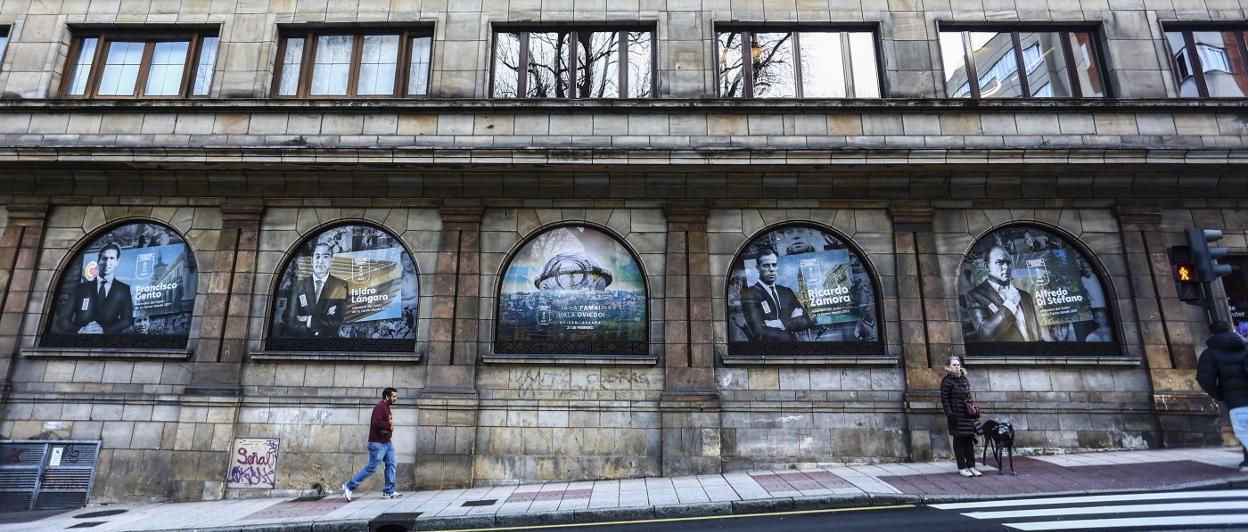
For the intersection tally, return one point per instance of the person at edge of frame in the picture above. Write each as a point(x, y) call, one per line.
point(1222, 372)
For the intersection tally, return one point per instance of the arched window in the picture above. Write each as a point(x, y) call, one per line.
point(1025, 290)
point(132, 286)
point(350, 287)
point(572, 289)
point(800, 290)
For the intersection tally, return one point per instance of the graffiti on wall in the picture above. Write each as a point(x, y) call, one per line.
point(253, 463)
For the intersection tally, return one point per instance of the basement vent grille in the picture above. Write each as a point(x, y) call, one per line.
point(46, 475)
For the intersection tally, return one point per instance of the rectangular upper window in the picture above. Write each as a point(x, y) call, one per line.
point(4, 41)
point(610, 62)
point(779, 62)
point(1027, 63)
point(173, 64)
point(1209, 61)
point(353, 63)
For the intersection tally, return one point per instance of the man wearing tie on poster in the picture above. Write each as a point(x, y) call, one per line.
point(316, 304)
point(772, 311)
point(999, 311)
point(105, 305)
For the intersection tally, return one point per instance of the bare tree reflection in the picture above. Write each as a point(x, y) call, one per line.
point(548, 65)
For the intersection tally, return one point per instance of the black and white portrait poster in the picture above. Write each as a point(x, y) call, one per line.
point(572, 289)
point(799, 285)
point(133, 286)
point(351, 287)
point(1025, 284)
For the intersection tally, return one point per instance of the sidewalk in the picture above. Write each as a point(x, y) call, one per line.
point(614, 500)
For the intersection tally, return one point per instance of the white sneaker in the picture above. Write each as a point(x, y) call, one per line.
point(966, 473)
point(976, 472)
point(346, 493)
point(391, 495)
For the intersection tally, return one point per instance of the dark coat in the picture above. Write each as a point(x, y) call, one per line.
point(114, 313)
point(954, 393)
point(327, 313)
point(759, 307)
point(1221, 371)
point(992, 322)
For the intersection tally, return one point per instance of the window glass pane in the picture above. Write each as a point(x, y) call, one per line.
point(292, 67)
point(995, 64)
point(1087, 66)
point(1183, 69)
point(332, 65)
point(121, 68)
point(953, 55)
point(598, 64)
point(773, 61)
point(866, 73)
point(3, 41)
point(164, 76)
point(82, 67)
point(640, 64)
point(506, 65)
point(548, 74)
point(1222, 63)
point(823, 67)
point(418, 69)
point(207, 62)
point(1046, 64)
point(379, 63)
point(731, 72)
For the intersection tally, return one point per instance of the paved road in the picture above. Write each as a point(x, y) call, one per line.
point(1138, 511)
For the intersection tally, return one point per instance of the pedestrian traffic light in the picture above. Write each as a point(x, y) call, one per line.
point(1186, 283)
point(1203, 257)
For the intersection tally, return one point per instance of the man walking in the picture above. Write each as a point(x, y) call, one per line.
point(380, 429)
point(1223, 374)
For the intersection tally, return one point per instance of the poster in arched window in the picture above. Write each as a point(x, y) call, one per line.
point(1026, 284)
point(348, 288)
point(133, 286)
point(572, 290)
point(800, 290)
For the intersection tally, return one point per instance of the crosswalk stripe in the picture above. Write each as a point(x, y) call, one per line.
point(1113, 509)
point(1177, 520)
point(1043, 501)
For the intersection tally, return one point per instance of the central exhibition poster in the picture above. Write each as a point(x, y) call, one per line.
point(572, 284)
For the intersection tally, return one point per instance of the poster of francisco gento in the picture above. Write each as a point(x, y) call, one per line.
point(1025, 284)
point(133, 286)
point(798, 285)
point(570, 290)
point(349, 288)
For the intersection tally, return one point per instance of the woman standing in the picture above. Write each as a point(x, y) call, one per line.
point(955, 393)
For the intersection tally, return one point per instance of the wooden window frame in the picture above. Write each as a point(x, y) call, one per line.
point(1189, 43)
point(1065, 34)
point(522, 60)
point(105, 39)
point(747, 66)
point(307, 64)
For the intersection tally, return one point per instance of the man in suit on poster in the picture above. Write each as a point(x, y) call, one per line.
point(103, 306)
point(997, 310)
point(315, 305)
point(772, 311)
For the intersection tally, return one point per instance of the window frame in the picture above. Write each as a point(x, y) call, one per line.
point(104, 41)
point(747, 67)
point(4, 34)
point(1197, 64)
point(522, 79)
point(307, 63)
point(1065, 32)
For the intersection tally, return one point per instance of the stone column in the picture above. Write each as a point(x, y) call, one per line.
point(923, 313)
point(447, 417)
point(690, 402)
point(19, 262)
point(222, 343)
point(1185, 415)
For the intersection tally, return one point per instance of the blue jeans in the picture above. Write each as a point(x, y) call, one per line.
point(377, 452)
point(1239, 423)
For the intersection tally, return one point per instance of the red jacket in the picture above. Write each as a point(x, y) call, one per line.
point(382, 425)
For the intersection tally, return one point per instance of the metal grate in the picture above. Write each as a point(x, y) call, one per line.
point(88, 524)
point(46, 475)
point(483, 502)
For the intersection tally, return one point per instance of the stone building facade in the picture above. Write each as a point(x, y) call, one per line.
point(684, 181)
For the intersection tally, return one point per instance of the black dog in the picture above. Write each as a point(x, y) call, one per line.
point(999, 435)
